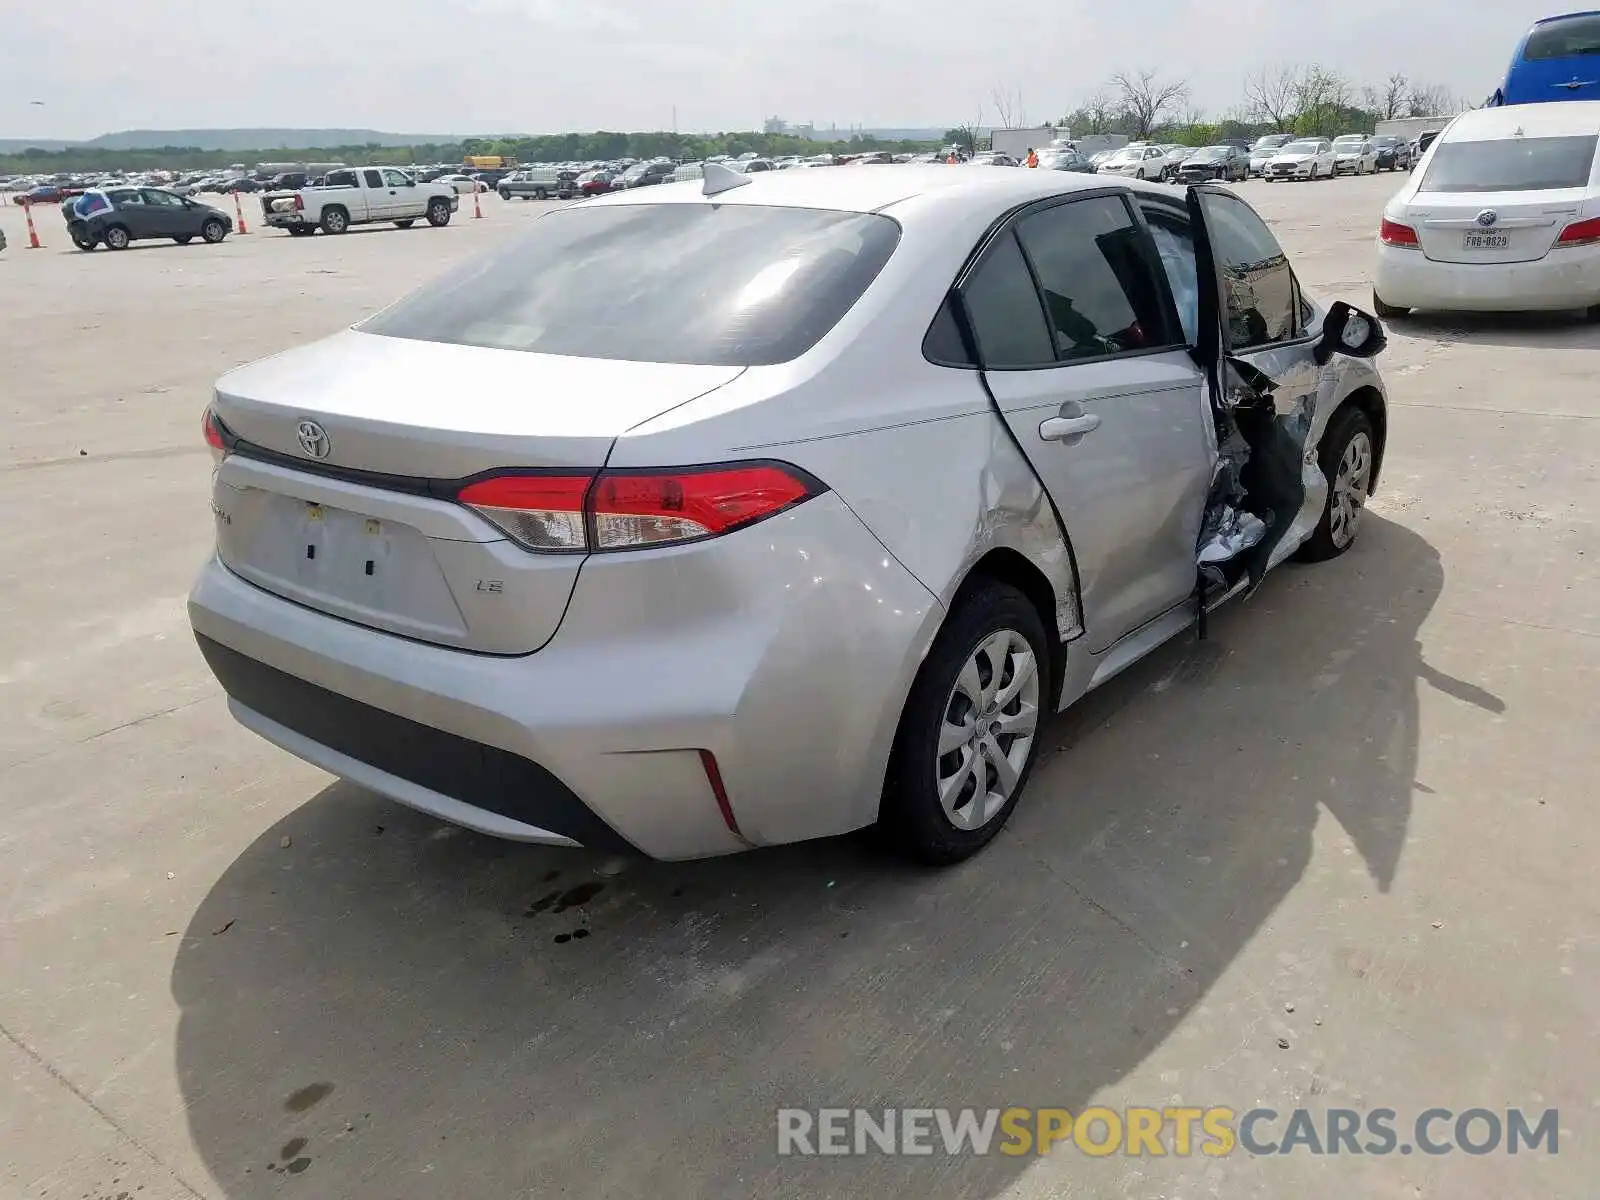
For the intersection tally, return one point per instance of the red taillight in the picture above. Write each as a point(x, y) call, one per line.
point(620, 510)
point(541, 512)
point(648, 508)
point(1392, 233)
point(211, 429)
point(1580, 233)
point(299, 203)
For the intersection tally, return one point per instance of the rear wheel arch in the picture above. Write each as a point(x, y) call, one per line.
point(1002, 564)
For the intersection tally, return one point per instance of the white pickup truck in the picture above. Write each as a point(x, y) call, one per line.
point(359, 196)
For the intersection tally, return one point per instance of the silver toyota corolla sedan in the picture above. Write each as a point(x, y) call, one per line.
point(799, 500)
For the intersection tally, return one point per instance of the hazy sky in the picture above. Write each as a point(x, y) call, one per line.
point(462, 66)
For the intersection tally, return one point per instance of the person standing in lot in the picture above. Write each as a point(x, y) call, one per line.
point(1033, 158)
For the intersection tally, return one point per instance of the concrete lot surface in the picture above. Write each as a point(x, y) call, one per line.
point(1342, 854)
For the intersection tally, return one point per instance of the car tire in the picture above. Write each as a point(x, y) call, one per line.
point(1388, 312)
point(1348, 458)
point(82, 238)
point(335, 221)
point(183, 239)
point(214, 230)
point(406, 224)
point(116, 237)
point(992, 641)
point(438, 212)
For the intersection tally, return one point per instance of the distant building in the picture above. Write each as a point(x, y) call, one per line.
point(1411, 128)
point(775, 125)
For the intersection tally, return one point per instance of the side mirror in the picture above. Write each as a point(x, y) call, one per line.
point(1347, 330)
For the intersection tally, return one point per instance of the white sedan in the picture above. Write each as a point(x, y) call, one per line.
point(1502, 215)
point(1308, 158)
point(1134, 162)
point(464, 185)
point(1355, 154)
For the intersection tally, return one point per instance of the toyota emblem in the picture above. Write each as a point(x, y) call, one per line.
point(313, 439)
point(1488, 217)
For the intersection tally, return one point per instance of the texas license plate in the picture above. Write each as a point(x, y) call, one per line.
point(1485, 241)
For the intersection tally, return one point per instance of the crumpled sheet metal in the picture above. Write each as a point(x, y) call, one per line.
point(1235, 532)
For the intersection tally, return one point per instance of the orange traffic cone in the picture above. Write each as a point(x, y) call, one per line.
point(33, 234)
point(477, 209)
point(238, 211)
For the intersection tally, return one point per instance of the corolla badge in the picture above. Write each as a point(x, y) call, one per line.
point(313, 439)
point(1488, 217)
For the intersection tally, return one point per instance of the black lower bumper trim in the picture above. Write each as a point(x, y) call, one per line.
point(485, 777)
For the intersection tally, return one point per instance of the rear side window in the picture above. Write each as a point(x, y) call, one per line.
point(1004, 307)
point(1565, 38)
point(712, 284)
point(1524, 164)
point(1098, 278)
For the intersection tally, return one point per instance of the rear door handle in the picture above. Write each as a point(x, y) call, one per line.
point(1068, 429)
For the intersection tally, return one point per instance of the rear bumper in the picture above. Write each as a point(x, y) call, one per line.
point(786, 650)
point(426, 767)
point(1563, 279)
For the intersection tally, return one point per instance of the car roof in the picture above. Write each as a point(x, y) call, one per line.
point(1558, 118)
point(847, 189)
point(1565, 17)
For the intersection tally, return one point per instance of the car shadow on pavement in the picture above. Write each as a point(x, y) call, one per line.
point(393, 1007)
point(1539, 331)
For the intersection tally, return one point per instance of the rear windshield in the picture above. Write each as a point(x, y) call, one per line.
point(713, 284)
point(1563, 38)
point(1511, 165)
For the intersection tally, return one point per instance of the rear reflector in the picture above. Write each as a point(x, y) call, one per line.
point(1392, 233)
point(624, 510)
point(719, 790)
point(1580, 233)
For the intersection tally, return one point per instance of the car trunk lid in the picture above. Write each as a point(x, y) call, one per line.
point(346, 457)
point(1492, 227)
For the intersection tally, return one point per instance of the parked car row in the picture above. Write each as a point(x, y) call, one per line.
point(1280, 157)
